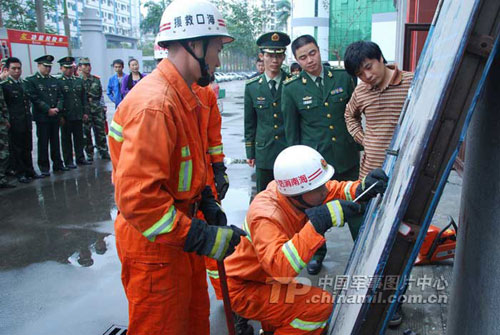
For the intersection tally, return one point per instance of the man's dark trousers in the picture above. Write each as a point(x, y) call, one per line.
point(48, 132)
point(72, 137)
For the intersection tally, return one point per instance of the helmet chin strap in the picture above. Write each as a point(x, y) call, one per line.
point(301, 201)
point(204, 80)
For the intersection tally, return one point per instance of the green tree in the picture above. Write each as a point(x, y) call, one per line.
point(244, 23)
point(284, 9)
point(22, 14)
point(151, 23)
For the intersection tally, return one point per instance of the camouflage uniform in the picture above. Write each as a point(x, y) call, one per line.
point(97, 119)
point(4, 139)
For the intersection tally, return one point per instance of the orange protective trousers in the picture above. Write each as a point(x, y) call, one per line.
point(282, 308)
point(175, 301)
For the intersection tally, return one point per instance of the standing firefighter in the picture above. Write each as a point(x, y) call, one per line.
point(264, 131)
point(159, 172)
point(97, 116)
point(285, 225)
point(74, 113)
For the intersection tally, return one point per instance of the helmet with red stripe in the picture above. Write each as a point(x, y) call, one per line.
point(191, 20)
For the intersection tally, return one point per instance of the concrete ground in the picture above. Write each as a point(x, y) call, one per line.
point(59, 271)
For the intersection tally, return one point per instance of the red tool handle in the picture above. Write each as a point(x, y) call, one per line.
point(225, 298)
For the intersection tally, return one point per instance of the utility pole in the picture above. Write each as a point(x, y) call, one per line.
point(40, 17)
point(66, 21)
point(474, 303)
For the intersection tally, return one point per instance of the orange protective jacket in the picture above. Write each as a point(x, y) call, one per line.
point(280, 240)
point(211, 123)
point(159, 164)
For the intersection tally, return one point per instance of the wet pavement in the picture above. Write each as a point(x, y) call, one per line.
point(59, 272)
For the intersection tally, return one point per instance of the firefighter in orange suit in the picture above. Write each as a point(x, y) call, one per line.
point(159, 173)
point(285, 225)
point(211, 130)
point(211, 126)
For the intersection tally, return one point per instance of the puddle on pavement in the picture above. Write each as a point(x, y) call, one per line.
point(56, 218)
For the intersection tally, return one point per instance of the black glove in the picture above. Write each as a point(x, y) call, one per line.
point(221, 179)
point(211, 241)
point(376, 175)
point(212, 211)
point(332, 214)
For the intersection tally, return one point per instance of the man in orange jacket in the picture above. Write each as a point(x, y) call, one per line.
point(211, 130)
point(285, 226)
point(159, 172)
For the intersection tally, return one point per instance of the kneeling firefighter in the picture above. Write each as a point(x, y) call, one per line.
point(285, 225)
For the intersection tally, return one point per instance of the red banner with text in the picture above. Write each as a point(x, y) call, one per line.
point(36, 38)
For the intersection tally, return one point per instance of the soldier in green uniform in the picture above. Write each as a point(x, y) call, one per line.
point(264, 131)
point(74, 113)
point(47, 99)
point(97, 120)
point(21, 123)
point(313, 109)
point(4, 143)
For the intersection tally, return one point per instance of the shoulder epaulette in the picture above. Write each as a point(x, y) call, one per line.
point(289, 80)
point(251, 80)
point(96, 76)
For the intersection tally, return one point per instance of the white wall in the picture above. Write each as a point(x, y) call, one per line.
point(384, 31)
point(303, 22)
point(27, 53)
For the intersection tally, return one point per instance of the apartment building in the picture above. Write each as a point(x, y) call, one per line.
point(120, 17)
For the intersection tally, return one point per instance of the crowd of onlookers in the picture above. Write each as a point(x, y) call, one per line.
point(66, 108)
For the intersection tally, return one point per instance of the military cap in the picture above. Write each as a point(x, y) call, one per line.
point(66, 61)
point(273, 42)
point(84, 60)
point(45, 60)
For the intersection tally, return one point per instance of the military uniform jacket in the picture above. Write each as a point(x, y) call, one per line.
point(18, 104)
point(75, 98)
point(316, 118)
point(44, 94)
point(264, 127)
point(93, 89)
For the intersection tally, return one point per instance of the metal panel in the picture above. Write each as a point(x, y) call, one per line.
point(427, 137)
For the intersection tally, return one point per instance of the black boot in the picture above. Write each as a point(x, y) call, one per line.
point(242, 326)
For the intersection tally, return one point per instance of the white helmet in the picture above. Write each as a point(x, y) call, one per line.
point(192, 19)
point(159, 52)
point(299, 169)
